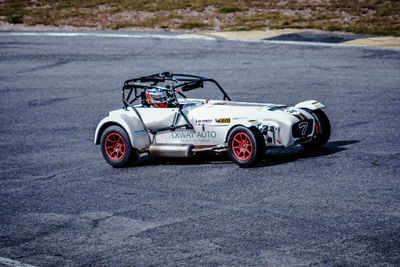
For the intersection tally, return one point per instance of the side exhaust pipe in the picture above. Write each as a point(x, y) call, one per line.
point(171, 150)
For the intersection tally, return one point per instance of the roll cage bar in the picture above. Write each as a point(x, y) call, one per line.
point(173, 84)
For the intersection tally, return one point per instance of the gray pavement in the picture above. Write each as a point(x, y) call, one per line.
point(62, 205)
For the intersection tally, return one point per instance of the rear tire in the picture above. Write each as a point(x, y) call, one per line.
point(246, 146)
point(116, 147)
point(322, 129)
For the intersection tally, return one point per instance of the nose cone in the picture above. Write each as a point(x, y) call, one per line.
point(287, 118)
point(285, 115)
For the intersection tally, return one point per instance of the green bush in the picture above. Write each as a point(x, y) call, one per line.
point(192, 25)
point(229, 9)
point(16, 19)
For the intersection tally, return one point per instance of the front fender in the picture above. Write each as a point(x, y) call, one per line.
point(244, 123)
point(310, 104)
point(130, 123)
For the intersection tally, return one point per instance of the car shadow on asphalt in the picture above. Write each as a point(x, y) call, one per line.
point(271, 158)
point(291, 154)
point(200, 159)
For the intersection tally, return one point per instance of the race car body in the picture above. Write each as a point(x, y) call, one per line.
point(167, 123)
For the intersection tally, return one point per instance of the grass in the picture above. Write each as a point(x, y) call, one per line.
point(193, 25)
point(358, 16)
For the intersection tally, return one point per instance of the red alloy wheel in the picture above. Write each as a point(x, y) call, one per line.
point(242, 146)
point(114, 146)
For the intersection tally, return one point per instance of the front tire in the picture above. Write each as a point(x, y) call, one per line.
point(246, 146)
point(322, 130)
point(116, 147)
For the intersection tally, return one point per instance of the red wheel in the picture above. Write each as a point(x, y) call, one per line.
point(242, 147)
point(246, 146)
point(116, 147)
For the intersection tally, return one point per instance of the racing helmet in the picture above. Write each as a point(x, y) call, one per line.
point(156, 97)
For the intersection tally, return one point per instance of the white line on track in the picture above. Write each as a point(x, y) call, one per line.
point(13, 263)
point(95, 34)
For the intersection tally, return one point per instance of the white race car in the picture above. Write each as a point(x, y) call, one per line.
point(165, 125)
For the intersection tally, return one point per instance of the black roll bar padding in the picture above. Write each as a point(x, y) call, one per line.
point(152, 79)
point(192, 85)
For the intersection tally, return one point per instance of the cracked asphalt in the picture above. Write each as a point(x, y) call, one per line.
point(62, 205)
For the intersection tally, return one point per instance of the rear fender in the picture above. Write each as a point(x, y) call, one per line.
point(310, 104)
point(130, 123)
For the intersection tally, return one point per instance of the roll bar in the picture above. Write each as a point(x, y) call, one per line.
point(173, 83)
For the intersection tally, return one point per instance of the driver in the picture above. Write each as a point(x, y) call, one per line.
point(157, 98)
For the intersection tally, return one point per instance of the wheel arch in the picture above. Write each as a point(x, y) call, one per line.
point(250, 126)
point(102, 128)
point(136, 132)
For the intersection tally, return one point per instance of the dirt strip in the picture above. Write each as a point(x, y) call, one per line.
point(303, 36)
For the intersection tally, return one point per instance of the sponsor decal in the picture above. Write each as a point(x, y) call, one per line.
point(207, 121)
point(223, 120)
point(193, 135)
point(139, 132)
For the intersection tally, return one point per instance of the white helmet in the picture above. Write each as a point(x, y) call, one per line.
point(156, 97)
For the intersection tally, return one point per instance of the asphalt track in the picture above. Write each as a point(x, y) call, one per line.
point(62, 205)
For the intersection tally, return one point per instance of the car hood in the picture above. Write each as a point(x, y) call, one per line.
point(224, 111)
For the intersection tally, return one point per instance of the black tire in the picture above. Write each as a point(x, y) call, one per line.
point(116, 147)
point(246, 146)
point(322, 130)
